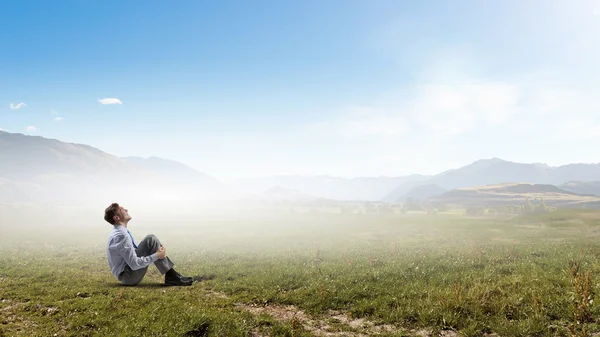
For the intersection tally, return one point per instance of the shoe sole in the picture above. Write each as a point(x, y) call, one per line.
point(179, 284)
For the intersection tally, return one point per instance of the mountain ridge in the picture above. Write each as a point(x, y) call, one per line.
point(582, 187)
point(496, 171)
point(46, 163)
point(52, 171)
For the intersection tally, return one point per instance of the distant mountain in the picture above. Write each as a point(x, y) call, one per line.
point(182, 180)
point(173, 171)
point(29, 158)
point(515, 194)
point(41, 170)
point(423, 192)
point(498, 171)
point(583, 187)
point(35, 169)
point(362, 188)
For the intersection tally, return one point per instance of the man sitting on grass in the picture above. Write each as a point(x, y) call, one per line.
point(129, 262)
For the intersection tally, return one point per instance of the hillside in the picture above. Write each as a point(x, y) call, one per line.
point(583, 187)
point(498, 171)
point(174, 170)
point(183, 181)
point(31, 158)
point(42, 170)
point(516, 194)
point(423, 192)
point(39, 170)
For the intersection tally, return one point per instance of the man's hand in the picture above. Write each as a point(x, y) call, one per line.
point(161, 253)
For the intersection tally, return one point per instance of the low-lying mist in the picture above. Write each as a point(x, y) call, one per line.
point(239, 226)
point(414, 270)
point(232, 226)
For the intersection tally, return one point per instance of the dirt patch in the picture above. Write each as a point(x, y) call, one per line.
point(338, 324)
point(422, 333)
point(11, 316)
point(332, 324)
point(46, 310)
point(38, 307)
point(11, 304)
point(361, 323)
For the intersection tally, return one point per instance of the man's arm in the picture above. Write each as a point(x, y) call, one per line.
point(134, 262)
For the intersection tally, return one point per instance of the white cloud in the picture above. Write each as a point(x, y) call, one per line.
point(449, 101)
point(31, 129)
point(58, 119)
point(443, 109)
point(17, 106)
point(453, 109)
point(110, 101)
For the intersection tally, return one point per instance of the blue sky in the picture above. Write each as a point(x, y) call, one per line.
point(345, 88)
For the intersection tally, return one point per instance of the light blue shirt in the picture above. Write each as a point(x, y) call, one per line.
point(121, 252)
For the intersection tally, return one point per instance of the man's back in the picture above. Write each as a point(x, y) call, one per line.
point(115, 246)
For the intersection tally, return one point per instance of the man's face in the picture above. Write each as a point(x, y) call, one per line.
point(123, 215)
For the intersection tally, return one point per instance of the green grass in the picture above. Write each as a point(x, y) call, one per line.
point(476, 276)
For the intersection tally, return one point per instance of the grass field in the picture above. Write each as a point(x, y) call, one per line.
point(310, 274)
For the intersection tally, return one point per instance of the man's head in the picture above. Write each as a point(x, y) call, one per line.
point(116, 214)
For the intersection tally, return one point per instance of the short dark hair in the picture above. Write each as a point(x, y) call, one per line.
point(110, 212)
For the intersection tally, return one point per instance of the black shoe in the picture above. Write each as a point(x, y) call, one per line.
point(185, 278)
point(177, 281)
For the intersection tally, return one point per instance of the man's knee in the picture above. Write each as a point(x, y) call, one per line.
point(152, 242)
point(152, 239)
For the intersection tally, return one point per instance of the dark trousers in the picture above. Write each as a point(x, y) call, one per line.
point(147, 247)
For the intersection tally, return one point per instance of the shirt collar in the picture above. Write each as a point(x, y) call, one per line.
point(120, 228)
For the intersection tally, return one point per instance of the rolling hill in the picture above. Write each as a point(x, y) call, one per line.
point(583, 187)
point(516, 194)
point(498, 171)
